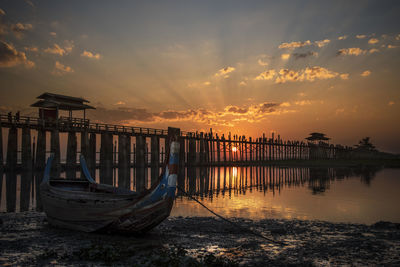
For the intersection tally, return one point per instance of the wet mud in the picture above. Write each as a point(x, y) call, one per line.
point(27, 239)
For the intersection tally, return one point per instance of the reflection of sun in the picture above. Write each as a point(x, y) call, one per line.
point(234, 172)
point(234, 149)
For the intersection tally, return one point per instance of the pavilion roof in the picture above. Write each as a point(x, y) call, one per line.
point(62, 102)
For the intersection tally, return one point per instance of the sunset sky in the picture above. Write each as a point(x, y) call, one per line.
point(246, 67)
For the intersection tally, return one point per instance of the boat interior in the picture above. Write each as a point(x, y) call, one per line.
point(86, 186)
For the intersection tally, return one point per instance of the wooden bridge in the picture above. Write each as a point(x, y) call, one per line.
point(126, 146)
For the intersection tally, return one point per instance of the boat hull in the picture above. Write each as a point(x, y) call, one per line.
point(100, 212)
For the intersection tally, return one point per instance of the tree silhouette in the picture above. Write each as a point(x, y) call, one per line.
point(366, 145)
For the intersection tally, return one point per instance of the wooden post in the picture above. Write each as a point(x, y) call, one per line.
point(155, 158)
point(26, 175)
point(140, 162)
point(250, 150)
point(124, 151)
point(182, 154)
point(224, 148)
point(71, 156)
point(192, 151)
point(55, 149)
point(11, 164)
point(91, 161)
point(230, 147)
point(40, 160)
point(11, 161)
point(26, 157)
point(202, 149)
point(1, 157)
point(218, 149)
point(106, 158)
point(212, 155)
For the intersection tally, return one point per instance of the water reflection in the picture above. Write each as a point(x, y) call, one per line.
point(232, 186)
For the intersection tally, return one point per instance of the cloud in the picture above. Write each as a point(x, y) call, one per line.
point(90, 55)
point(242, 83)
point(289, 75)
point(54, 34)
point(224, 71)
point(322, 43)
point(360, 36)
point(373, 41)
point(320, 73)
point(303, 102)
point(10, 57)
point(344, 37)
point(29, 3)
point(56, 49)
point(285, 104)
point(68, 46)
point(293, 45)
point(19, 29)
point(229, 116)
point(354, 51)
point(373, 50)
point(366, 73)
point(304, 55)
point(391, 103)
point(309, 74)
point(206, 83)
point(60, 69)
point(344, 76)
point(398, 37)
point(120, 103)
point(392, 46)
point(339, 111)
point(262, 63)
point(285, 56)
point(2, 13)
point(266, 75)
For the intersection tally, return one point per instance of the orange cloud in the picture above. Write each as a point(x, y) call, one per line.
point(285, 56)
point(10, 57)
point(224, 71)
point(19, 29)
point(344, 76)
point(354, 51)
point(322, 43)
point(262, 63)
point(366, 73)
point(361, 36)
point(344, 37)
point(309, 74)
point(266, 75)
point(56, 49)
point(293, 45)
point(60, 69)
point(373, 41)
point(90, 55)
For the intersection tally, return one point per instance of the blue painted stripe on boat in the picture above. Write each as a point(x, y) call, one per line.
point(174, 158)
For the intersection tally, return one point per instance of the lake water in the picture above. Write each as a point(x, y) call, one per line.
point(361, 195)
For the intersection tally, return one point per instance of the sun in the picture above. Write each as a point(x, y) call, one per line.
point(234, 149)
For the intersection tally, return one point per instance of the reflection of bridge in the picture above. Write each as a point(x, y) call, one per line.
point(206, 182)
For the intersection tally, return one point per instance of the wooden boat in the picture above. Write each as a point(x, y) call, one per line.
point(87, 206)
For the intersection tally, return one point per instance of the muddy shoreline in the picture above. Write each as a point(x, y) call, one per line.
point(27, 239)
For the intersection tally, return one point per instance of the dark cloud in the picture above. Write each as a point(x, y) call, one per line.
point(235, 109)
point(10, 57)
point(121, 115)
point(267, 107)
point(303, 55)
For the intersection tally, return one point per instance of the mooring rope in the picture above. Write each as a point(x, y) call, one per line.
point(231, 222)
